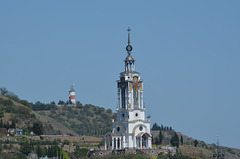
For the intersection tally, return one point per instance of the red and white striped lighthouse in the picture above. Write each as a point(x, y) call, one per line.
point(72, 100)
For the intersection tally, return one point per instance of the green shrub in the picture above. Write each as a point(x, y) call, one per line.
point(81, 152)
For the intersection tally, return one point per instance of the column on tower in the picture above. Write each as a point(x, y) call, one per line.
point(126, 67)
point(123, 141)
point(141, 97)
point(140, 142)
point(132, 65)
point(129, 64)
point(120, 143)
point(149, 142)
point(132, 99)
point(119, 102)
point(126, 98)
point(112, 143)
point(105, 144)
point(133, 141)
point(129, 99)
point(120, 96)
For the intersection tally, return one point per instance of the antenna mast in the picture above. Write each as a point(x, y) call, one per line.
point(218, 153)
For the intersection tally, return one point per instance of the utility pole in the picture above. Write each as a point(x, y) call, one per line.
point(218, 153)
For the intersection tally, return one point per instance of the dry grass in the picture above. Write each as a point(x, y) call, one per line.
point(58, 127)
point(195, 152)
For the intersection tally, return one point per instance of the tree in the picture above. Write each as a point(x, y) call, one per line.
point(55, 151)
point(77, 148)
point(32, 144)
point(8, 102)
point(13, 125)
point(44, 151)
point(25, 148)
point(1, 112)
point(5, 146)
point(162, 156)
point(156, 141)
point(39, 151)
point(12, 96)
point(160, 136)
point(10, 146)
point(55, 142)
point(195, 143)
point(81, 152)
point(61, 102)
point(175, 140)
point(26, 103)
point(49, 152)
point(21, 156)
point(109, 111)
point(37, 128)
point(181, 140)
point(66, 142)
point(7, 126)
point(156, 127)
point(1, 124)
point(59, 153)
point(79, 104)
point(3, 91)
point(53, 103)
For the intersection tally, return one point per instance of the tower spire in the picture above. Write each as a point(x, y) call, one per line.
point(129, 47)
point(128, 35)
point(129, 61)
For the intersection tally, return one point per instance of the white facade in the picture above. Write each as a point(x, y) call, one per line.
point(131, 129)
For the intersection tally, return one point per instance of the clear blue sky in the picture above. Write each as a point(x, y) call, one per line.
point(188, 53)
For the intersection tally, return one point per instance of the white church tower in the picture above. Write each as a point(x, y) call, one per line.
point(131, 130)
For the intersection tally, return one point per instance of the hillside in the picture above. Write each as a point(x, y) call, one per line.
point(96, 121)
point(14, 112)
point(86, 120)
point(201, 151)
point(24, 117)
point(92, 121)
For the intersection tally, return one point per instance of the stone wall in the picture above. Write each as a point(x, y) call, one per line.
point(147, 152)
point(89, 139)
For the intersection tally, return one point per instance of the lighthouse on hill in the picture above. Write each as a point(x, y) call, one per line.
point(72, 100)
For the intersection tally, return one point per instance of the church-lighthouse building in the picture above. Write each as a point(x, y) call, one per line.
point(132, 128)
